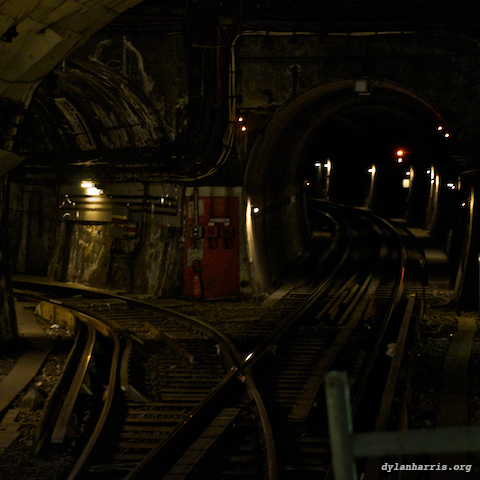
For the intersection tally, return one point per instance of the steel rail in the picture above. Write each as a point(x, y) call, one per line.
point(63, 420)
point(265, 345)
point(52, 405)
point(108, 400)
point(266, 426)
point(191, 424)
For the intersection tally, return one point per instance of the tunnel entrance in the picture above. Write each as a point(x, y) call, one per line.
point(332, 142)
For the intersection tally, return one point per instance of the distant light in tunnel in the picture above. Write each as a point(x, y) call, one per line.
point(399, 160)
point(439, 128)
point(328, 166)
point(244, 128)
point(317, 164)
point(240, 119)
point(446, 135)
point(400, 153)
point(371, 169)
point(87, 184)
point(407, 173)
point(451, 185)
point(255, 209)
point(463, 204)
point(427, 172)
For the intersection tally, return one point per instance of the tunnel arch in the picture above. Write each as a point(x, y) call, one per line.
point(274, 187)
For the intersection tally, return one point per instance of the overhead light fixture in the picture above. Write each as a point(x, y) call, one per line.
point(94, 191)
point(362, 86)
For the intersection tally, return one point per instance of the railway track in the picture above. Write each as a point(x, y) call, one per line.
point(205, 406)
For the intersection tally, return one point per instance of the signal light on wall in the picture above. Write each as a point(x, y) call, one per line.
point(244, 128)
point(439, 128)
point(240, 119)
point(446, 135)
point(256, 209)
point(317, 164)
point(400, 153)
point(399, 159)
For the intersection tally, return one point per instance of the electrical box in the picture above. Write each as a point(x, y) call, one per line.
point(196, 231)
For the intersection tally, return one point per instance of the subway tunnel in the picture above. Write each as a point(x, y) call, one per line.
point(204, 128)
point(335, 144)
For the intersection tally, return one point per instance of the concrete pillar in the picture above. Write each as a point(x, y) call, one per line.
point(467, 284)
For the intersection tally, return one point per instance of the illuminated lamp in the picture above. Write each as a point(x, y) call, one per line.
point(256, 209)
point(400, 153)
point(439, 128)
point(244, 128)
point(93, 191)
point(362, 86)
point(446, 135)
point(399, 160)
point(317, 164)
point(87, 184)
point(240, 119)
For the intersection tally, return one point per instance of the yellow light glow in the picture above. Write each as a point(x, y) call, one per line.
point(87, 184)
point(93, 191)
point(439, 128)
point(240, 119)
point(244, 128)
point(399, 160)
point(399, 153)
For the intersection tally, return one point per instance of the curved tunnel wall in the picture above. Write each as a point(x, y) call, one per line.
point(275, 184)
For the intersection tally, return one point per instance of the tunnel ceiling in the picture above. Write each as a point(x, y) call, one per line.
point(332, 118)
point(87, 114)
point(370, 132)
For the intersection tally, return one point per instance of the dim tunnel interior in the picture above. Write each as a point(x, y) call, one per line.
point(336, 144)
